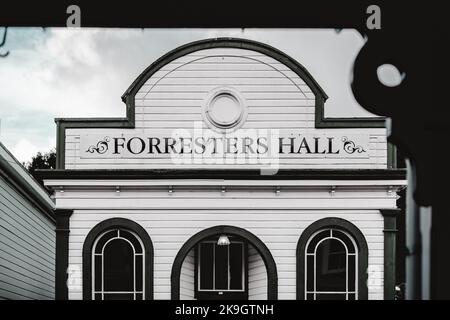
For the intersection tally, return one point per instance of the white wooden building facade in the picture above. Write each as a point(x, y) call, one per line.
point(225, 180)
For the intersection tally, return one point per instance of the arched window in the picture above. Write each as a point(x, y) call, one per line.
point(118, 262)
point(331, 266)
point(332, 259)
point(118, 266)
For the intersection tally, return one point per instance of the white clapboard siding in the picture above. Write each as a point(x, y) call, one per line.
point(173, 97)
point(257, 276)
point(27, 248)
point(278, 229)
point(187, 276)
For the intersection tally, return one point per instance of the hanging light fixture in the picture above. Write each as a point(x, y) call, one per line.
point(223, 240)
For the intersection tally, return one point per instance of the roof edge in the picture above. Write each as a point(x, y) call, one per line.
point(223, 42)
point(25, 187)
point(226, 174)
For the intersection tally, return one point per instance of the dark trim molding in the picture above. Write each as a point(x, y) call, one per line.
point(62, 253)
point(390, 233)
point(391, 156)
point(110, 224)
point(129, 96)
point(367, 122)
point(272, 275)
point(227, 174)
point(363, 253)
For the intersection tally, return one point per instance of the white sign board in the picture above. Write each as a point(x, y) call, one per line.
point(208, 145)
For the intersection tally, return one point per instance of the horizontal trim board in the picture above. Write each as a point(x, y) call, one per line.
point(136, 174)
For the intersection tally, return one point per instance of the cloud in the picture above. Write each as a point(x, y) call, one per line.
point(83, 72)
point(24, 150)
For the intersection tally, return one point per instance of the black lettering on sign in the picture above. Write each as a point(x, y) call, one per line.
point(117, 145)
point(304, 144)
point(141, 143)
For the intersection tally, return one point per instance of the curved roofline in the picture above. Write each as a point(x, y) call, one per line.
point(188, 48)
point(128, 122)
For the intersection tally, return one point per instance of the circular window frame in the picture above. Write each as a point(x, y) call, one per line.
point(217, 125)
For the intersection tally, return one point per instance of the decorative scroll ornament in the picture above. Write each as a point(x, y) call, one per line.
point(350, 147)
point(101, 147)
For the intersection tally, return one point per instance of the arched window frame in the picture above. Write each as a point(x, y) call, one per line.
point(95, 234)
point(343, 226)
point(347, 254)
point(118, 236)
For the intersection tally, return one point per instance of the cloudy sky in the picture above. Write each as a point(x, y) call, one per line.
point(84, 72)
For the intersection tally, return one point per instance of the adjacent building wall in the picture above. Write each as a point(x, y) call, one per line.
point(27, 248)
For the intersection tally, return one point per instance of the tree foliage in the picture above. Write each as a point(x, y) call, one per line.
point(41, 161)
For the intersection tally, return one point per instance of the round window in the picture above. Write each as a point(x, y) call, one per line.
point(224, 109)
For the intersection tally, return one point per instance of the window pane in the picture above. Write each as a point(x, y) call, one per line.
point(139, 296)
point(101, 242)
point(139, 273)
point(345, 239)
point(206, 266)
point(331, 296)
point(337, 256)
point(351, 273)
point(310, 273)
point(119, 266)
point(130, 237)
point(221, 267)
point(351, 296)
point(330, 266)
point(316, 239)
point(236, 266)
point(98, 273)
point(119, 296)
point(310, 296)
point(98, 296)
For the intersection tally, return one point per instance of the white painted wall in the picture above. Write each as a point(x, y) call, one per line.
point(187, 277)
point(257, 275)
point(278, 227)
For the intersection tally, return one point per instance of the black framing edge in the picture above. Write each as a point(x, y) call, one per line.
point(266, 255)
point(390, 233)
point(128, 97)
point(62, 253)
point(117, 223)
point(363, 253)
point(225, 174)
